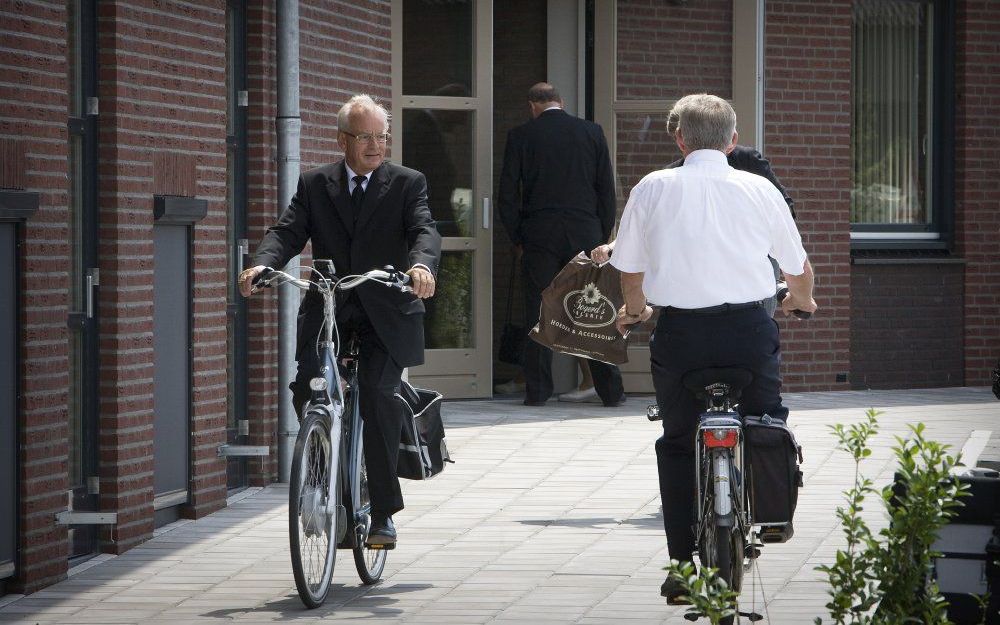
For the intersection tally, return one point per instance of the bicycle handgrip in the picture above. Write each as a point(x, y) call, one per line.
point(261, 280)
point(781, 293)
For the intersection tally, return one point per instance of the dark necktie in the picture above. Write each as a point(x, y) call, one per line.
point(357, 196)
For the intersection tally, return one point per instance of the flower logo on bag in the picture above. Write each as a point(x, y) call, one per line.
point(588, 308)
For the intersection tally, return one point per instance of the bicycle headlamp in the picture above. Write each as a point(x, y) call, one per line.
point(318, 384)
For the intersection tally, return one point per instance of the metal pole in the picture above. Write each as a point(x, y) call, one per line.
point(288, 126)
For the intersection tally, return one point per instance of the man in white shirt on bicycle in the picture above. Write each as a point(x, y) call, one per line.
point(695, 242)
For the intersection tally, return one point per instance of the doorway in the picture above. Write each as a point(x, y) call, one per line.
point(442, 77)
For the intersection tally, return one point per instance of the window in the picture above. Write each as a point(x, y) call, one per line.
point(899, 120)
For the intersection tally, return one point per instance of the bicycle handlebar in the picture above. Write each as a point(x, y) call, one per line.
point(388, 276)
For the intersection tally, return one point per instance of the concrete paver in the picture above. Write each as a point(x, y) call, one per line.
point(550, 515)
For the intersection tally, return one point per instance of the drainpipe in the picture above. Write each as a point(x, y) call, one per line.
point(288, 125)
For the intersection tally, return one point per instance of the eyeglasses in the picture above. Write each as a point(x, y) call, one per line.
point(367, 137)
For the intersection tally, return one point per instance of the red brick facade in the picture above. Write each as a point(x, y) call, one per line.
point(34, 117)
point(162, 79)
point(163, 95)
point(807, 113)
point(977, 208)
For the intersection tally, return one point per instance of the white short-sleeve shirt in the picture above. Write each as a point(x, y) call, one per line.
point(701, 234)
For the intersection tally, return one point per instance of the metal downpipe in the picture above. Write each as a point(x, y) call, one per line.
point(288, 126)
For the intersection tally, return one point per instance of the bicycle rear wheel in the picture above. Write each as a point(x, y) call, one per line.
point(313, 500)
point(720, 546)
point(369, 562)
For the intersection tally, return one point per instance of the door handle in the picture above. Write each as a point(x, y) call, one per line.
point(486, 213)
point(93, 280)
point(242, 249)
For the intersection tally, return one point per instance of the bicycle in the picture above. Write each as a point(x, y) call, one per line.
point(328, 501)
point(724, 526)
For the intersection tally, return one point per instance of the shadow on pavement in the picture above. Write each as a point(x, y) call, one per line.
point(651, 521)
point(376, 600)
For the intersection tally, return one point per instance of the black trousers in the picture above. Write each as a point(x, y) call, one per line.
point(378, 377)
point(683, 342)
point(539, 267)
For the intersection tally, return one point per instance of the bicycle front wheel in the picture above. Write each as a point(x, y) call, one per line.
point(369, 562)
point(313, 500)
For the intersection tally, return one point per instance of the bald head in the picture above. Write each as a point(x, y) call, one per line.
point(543, 96)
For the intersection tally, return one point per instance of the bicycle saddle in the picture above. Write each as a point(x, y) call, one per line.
point(735, 378)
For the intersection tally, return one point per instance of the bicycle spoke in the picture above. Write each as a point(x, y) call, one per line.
point(311, 514)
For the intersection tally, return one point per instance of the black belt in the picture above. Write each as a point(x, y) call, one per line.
point(712, 310)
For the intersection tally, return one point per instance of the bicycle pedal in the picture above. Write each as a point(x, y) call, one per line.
point(380, 547)
point(753, 617)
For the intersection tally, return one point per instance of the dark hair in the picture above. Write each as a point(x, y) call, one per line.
point(543, 92)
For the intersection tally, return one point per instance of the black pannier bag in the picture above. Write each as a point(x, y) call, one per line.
point(773, 459)
point(422, 448)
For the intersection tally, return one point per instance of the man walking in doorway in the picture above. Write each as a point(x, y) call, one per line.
point(557, 198)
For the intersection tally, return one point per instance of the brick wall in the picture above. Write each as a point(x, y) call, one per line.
point(519, 52)
point(33, 121)
point(906, 324)
point(667, 51)
point(807, 139)
point(162, 89)
point(344, 49)
point(977, 210)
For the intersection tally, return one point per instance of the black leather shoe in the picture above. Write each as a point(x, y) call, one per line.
point(533, 402)
point(614, 404)
point(673, 591)
point(382, 532)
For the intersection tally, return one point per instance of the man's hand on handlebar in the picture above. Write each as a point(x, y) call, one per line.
point(246, 279)
point(795, 307)
point(421, 281)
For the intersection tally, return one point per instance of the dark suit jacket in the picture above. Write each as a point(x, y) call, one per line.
point(748, 159)
point(556, 187)
point(394, 227)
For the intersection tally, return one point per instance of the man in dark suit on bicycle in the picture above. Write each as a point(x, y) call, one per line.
point(695, 241)
point(556, 199)
point(363, 213)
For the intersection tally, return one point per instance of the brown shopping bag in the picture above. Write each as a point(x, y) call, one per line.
point(579, 311)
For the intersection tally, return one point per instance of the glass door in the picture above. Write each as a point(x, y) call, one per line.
point(442, 98)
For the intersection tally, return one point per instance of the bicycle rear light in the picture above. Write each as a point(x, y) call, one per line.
point(722, 437)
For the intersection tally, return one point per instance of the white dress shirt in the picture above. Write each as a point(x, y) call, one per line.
point(701, 234)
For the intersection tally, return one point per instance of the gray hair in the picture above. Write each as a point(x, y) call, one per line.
point(707, 122)
point(359, 104)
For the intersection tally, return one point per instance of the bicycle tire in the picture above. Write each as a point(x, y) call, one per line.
point(720, 546)
point(369, 562)
point(312, 517)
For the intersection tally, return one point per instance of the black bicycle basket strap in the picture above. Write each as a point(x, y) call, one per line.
point(775, 478)
point(423, 450)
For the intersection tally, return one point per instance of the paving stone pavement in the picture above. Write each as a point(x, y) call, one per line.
point(550, 515)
